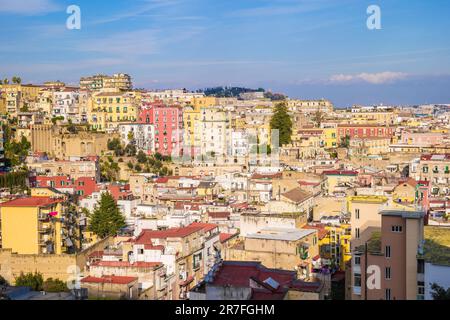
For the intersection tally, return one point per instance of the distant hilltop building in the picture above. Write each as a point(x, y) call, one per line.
point(119, 81)
point(252, 95)
point(310, 106)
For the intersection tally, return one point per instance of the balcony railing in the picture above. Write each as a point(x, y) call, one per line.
point(45, 230)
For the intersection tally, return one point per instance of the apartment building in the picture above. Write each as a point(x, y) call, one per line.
point(364, 216)
point(168, 126)
point(390, 265)
point(363, 131)
point(337, 180)
point(118, 81)
point(110, 109)
point(141, 135)
point(84, 167)
point(32, 225)
point(435, 168)
point(281, 248)
point(310, 106)
point(65, 104)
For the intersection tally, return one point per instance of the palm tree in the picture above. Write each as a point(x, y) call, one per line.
point(16, 80)
point(6, 81)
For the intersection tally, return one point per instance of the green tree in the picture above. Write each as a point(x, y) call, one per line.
point(159, 156)
point(439, 293)
point(55, 285)
point(116, 146)
point(281, 121)
point(130, 165)
point(16, 80)
point(130, 150)
point(345, 142)
point(141, 157)
point(32, 280)
point(107, 219)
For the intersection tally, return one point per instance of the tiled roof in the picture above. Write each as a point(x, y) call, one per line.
point(340, 173)
point(109, 279)
point(206, 226)
point(30, 202)
point(277, 175)
point(146, 236)
point(126, 264)
point(238, 274)
point(219, 215)
point(297, 195)
point(224, 237)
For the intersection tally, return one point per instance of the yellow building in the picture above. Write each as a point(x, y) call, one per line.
point(109, 109)
point(18, 95)
point(377, 117)
point(337, 179)
point(191, 118)
point(2, 103)
point(203, 102)
point(32, 225)
point(329, 137)
point(338, 239)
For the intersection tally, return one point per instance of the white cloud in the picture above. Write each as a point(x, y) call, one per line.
point(373, 78)
point(28, 7)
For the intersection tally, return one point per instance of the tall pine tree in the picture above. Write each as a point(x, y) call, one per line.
point(281, 120)
point(107, 219)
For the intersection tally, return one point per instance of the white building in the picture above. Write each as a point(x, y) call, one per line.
point(141, 134)
point(65, 104)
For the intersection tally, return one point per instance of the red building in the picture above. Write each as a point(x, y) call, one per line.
point(168, 122)
point(120, 192)
point(83, 186)
point(363, 131)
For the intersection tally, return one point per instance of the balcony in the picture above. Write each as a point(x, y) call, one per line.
point(45, 240)
point(43, 217)
point(45, 230)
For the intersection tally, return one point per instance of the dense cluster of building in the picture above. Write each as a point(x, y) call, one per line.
point(237, 216)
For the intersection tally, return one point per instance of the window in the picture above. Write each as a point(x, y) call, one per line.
point(357, 214)
point(357, 280)
point(387, 252)
point(388, 294)
point(357, 260)
point(387, 273)
point(397, 229)
point(421, 290)
point(140, 251)
point(197, 260)
point(420, 266)
point(357, 233)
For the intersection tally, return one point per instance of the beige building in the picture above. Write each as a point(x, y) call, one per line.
point(281, 248)
point(74, 169)
point(364, 216)
point(59, 143)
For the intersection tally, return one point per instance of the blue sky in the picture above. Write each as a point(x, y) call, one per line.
point(305, 48)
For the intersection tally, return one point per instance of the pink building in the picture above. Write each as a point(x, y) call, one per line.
point(422, 138)
point(168, 122)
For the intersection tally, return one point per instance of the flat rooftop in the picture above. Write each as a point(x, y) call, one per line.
point(283, 234)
